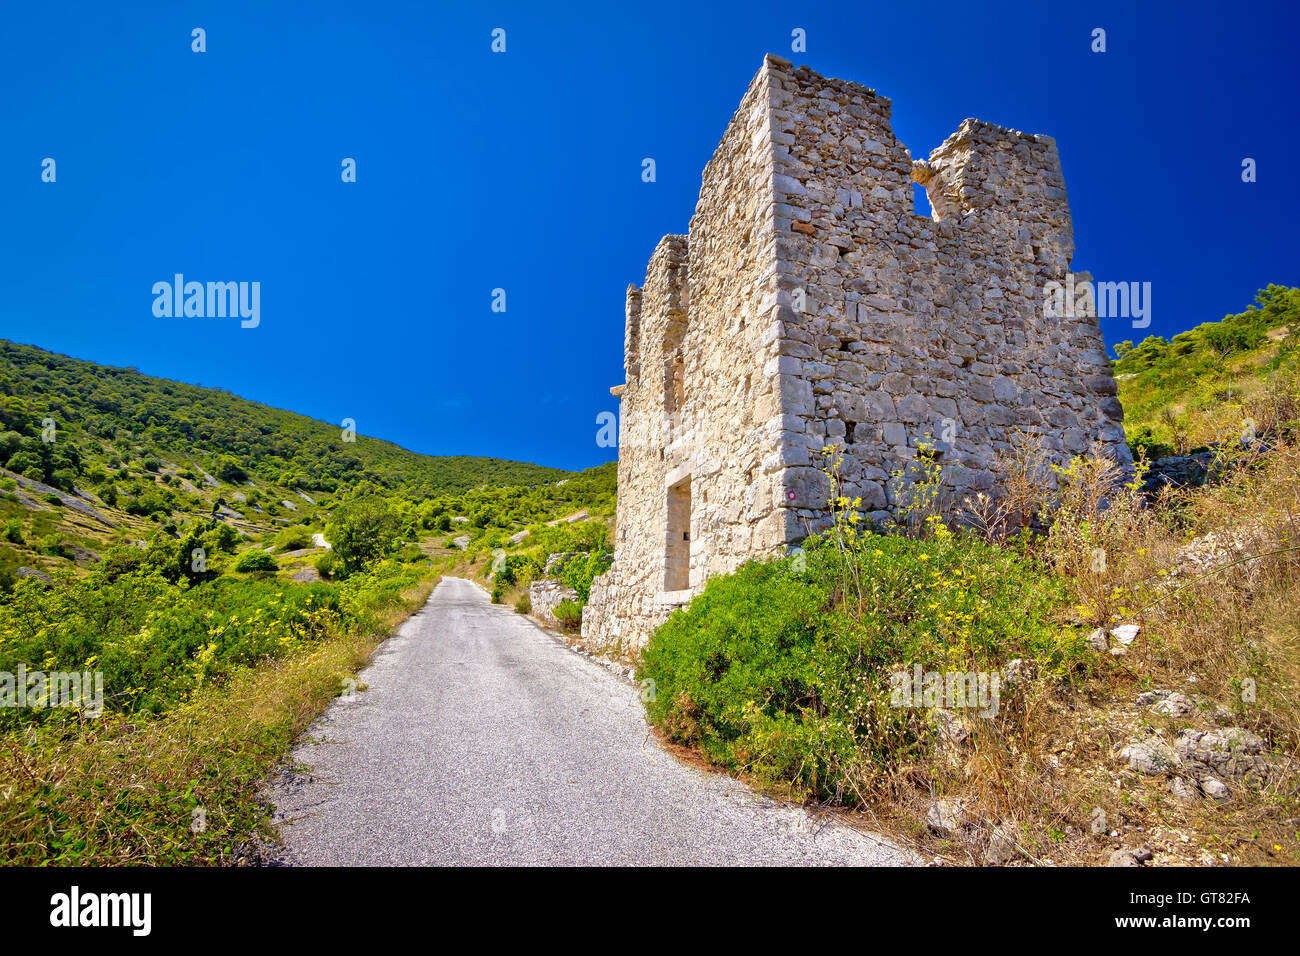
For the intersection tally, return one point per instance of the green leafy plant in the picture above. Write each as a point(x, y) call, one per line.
point(192, 716)
point(579, 570)
point(255, 561)
point(325, 565)
point(569, 614)
point(293, 538)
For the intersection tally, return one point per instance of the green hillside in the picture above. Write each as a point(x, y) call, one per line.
point(109, 416)
point(1182, 392)
point(224, 569)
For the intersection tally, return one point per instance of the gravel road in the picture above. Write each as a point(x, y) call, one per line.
point(480, 739)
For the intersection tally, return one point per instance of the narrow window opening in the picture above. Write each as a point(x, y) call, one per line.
point(674, 381)
point(921, 201)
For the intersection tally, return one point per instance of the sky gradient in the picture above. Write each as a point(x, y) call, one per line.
point(522, 171)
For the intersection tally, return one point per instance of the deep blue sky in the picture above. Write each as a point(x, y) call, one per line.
point(478, 170)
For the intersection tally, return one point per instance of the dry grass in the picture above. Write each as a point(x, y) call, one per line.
point(1213, 577)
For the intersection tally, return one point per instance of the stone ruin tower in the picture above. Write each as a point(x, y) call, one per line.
point(810, 304)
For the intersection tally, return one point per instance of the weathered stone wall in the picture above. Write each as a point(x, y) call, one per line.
point(812, 305)
point(696, 398)
point(914, 327)
point(656, 318)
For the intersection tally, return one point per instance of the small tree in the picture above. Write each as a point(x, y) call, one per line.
point(230, 470)
point(361, 532)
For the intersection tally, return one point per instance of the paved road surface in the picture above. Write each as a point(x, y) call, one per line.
point(483, 740)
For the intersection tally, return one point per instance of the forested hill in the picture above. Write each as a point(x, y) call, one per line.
point(106, 413)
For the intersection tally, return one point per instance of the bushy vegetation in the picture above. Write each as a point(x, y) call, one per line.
point(361, 532)
point(32, 450)
point(255, 561)
point(785, 669)
point(207, 677)
point(517, 569)
point(294, 538)
point(493, 515)
point(569, 614)
point(578, 570)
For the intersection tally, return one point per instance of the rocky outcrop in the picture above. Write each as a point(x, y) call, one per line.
point(76, 501)
point(1208, 763)
point(1225, 754)
point(1202, 466)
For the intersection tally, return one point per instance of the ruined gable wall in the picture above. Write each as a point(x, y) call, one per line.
point(1006, 191)
point(913, 326)
point(656, 317)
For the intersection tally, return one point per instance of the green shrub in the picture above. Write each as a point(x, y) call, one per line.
point(191, 714)
point(409, 553)
point(52, 546)
point(751, 636)
point(1143, 442)
point(523, 604)
point(230, 470)
point(63, 478)
point(293, 538)
point(155, 641)
point(223, 537)
point(255, 561)
point(579, 570)
point(569, 614)
point(14, 531)
point(783, 669)
point(148, 504)
point(518, 569)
